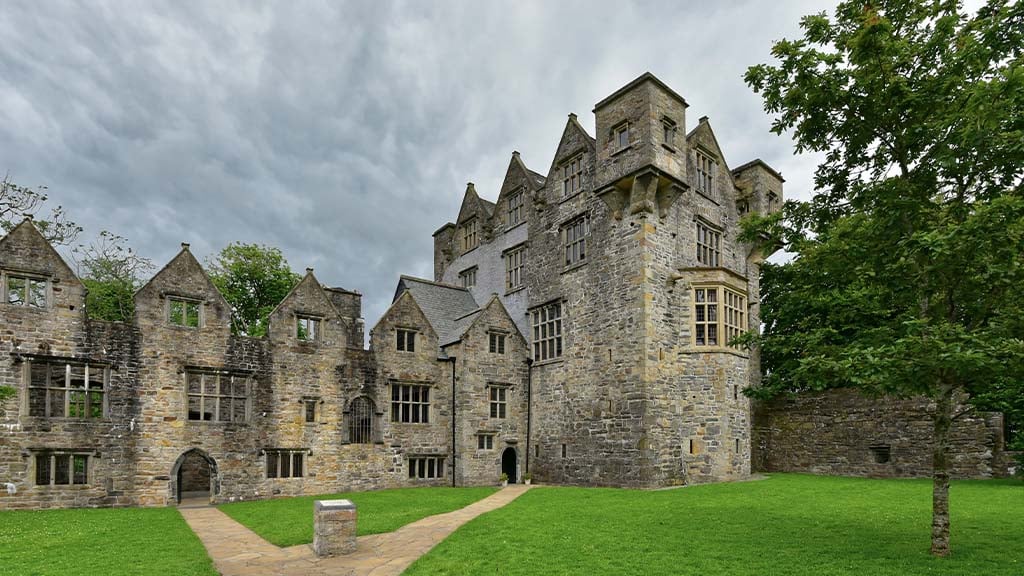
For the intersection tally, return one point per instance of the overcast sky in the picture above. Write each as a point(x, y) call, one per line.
point(344, 132)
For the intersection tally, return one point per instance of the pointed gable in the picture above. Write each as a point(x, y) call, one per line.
point(25, 249)
point(445, 307)
point(701, 143)
point(518, 180)
point(493, 314)
point(308, 300)
point(575, 146)
point(183, 278)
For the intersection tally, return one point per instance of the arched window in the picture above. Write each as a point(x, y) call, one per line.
point(360, 424)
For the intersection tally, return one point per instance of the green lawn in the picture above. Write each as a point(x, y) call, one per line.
point(100, 542)
point(787, 524)
point(289, 521)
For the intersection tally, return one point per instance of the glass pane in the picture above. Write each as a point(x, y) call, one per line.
point(286, 468)
point(80, 470)
point(15, 290)
point(62, 469)
point(209, 408)
point(239, 409)
point(297, 465)
point(272, 464)
point(194, 383)
point(238, 386)
point(209, 384)
point(37, 293)
point(43, 469)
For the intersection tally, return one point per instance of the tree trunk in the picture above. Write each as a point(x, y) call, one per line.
point(940, 473)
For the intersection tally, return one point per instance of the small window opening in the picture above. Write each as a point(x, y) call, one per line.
point(565, 452)
point(882, 453)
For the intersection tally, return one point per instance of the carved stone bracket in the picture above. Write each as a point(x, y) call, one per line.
point(643, 193)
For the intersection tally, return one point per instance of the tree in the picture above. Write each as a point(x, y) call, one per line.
point(111, 272)
point(908, 272)
point(18, 202)
point(254, 279)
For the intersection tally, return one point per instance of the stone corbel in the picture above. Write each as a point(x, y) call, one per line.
point(643, 193)
point(667, 195)
point(616, 198)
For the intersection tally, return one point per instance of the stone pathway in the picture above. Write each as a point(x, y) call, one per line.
point(238, 551)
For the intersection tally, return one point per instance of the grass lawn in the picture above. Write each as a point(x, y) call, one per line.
point(289, 521)
point(787, 524)
point(103, 542)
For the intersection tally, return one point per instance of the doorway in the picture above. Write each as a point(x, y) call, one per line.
point(508, 464)
point(195, 477)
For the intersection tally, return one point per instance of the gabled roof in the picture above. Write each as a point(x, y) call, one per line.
point(446, 307)
point(763, 164)
point(572, 127)
point(27, 232)
point(473, 205)
point(190, 261)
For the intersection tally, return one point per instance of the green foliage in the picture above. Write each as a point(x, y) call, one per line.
point(289, 521)
point(111, 272)
point(18, 202)
point(254, 279)
point(786, 525)
point(100, 542)
point(6, 393)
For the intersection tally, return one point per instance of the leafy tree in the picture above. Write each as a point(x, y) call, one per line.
point(111, 272)
point(254, 279)
point(908, 274)
point(17, 202)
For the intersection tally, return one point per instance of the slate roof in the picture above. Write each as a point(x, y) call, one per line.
point(538, 178)
point(488, 206)
point(449, 309)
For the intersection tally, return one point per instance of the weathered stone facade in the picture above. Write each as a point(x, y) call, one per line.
point(577, 328)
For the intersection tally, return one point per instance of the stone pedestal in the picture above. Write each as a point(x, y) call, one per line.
point(334, 527)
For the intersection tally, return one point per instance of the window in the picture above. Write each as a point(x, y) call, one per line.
point(309, 409)
point(496, 343)
point(61, 390)
point(572, 176)
point(705, 174)
point(183, 312)
point(742, 207)
point(307, 328)
point(26, 291)
point(574, 238)
point(467, 278)
point(565, 451)
point(406, 340)
point(470, 234)
point(499, 401)
point(709, 245)
point(737, 450)
point(410, 403)
point(620, 136)
point(485, 442)
point(668, 128)
point(215, 397)
point(881, 453)
point(282, 463)
point(773, 202)
point(61, 469)
point(360, 424)
point(709, 325)
point(426, 467)
point(515, 208)
point(514, 268)
point(547, 332)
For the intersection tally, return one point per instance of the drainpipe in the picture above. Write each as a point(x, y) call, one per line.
point(529, 408)
point(452, 360)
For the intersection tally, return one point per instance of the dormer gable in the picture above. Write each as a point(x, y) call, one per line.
point(179, 290)
point(306, 315)
point(519, 185)
point(473, 225)
point(34, 275)
point(706, 166)
point(406, 315)
point(572, 169)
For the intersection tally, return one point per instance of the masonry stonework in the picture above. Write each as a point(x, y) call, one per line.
point(602, 359)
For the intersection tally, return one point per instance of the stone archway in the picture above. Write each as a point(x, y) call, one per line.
point(194, 476)
point(509, 464)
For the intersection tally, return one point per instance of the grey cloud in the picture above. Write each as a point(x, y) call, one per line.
point(344, 132)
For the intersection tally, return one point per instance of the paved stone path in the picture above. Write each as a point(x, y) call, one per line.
point(238, 551)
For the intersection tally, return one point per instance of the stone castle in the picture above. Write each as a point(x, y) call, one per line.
point(577, 329)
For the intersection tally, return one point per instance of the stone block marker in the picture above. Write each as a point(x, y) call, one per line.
point(334, 527)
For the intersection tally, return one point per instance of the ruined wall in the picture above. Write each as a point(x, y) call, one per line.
point(833, 432)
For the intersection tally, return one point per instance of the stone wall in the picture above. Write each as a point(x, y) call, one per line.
point(833, 432)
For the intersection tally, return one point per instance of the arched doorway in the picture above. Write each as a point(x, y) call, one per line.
point(194, 476)
point(508, 465)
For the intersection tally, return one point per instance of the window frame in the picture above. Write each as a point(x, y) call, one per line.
point(547, 331)
point(620, 132)
point(410, 403)
point(730, 316)
point(408, 343)
point(572, 175)
point(709, 244)
point(311, 410)
point(185, 302)
point(669, 130)
point(516, 208)
point(470, 237)
point(291, 456)
point(515, 264)
point(313, 320)
point(426, 467)
point(485, 441)
point(467, 278)
point(218, 396)
point(497, 342)
point(575, 232)
point(51, 457)
point(68, 391)
point(705, 170)
point(28, 299)
point(359, 433)
point(497, 401)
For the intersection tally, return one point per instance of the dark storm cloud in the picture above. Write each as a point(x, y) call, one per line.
point(344, 133)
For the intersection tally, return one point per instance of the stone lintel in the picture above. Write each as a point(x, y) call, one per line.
point(329, 505)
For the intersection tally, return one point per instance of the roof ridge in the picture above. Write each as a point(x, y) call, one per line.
point(439, 284)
